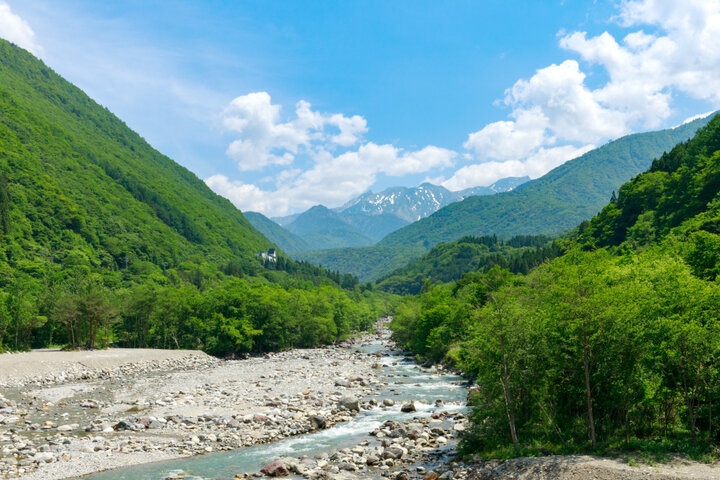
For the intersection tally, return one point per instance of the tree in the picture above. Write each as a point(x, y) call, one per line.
point(97, 311)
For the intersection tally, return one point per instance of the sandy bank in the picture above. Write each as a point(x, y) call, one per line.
point(18, 369)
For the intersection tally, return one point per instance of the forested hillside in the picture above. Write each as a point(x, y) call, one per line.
point(552, 204)
point(614, 344)
point(447, 262)
point(104, 239)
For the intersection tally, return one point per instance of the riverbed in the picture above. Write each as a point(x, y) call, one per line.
point(402, 380)
point(74, 420)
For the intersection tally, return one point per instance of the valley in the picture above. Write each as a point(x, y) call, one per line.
point(359, 240)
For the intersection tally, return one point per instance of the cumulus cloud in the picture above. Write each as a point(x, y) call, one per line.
point(332, 180)
point(16, 30)
point(265, 140)
point(508, 140)
point(339, 163)
point(536, 165)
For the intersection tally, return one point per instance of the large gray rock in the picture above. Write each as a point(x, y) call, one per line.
point(393, 452)
point(350, 403)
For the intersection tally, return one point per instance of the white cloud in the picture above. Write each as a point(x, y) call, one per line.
point(16, 30)
point(336, 172)
point(332, 180)
point(265, 140)
point(684, 55)
point(570, 110)
point(556, 116)
point(507, 140)
point(696, 117)
point(534, 166)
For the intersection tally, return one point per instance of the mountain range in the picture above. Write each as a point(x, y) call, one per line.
point(553, 203)
point(368, 218)
point(549, 205)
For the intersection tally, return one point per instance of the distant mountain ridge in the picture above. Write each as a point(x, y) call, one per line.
point(369, 217)
point(412, 204)
point(282, 238)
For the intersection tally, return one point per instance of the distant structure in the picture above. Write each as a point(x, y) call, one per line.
point(269, 255)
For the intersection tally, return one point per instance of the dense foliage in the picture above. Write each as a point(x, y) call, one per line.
point(229, 317)
point(552, 204)
point(104, 240)
point(613, 344)
point(446, 262)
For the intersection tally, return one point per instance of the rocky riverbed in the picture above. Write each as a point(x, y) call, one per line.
point(416, 448)
point(80, 420)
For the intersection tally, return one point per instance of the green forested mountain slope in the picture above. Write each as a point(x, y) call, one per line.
point(87, 190)
point(679, 194)
point(556, 202)
point(81, 188)
point(323, 228)
point(282, 238)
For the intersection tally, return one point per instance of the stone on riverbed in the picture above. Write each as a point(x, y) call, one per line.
point(393, 452)
point(275, 469)
point(408, 407)
point(319, 421)
point(350, 403)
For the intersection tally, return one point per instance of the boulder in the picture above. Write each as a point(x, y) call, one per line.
point(124, 425)
point(347, 466)
point(318, 421)
point(275, 469)
point(350, 403)
point(408, 408)
point(44, 457)
point(393, 452)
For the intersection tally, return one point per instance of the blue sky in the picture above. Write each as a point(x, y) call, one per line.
point(283, 105)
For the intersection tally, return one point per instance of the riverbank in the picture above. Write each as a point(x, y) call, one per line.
point(71, 419)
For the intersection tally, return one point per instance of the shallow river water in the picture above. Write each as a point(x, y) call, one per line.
point(406, 381)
